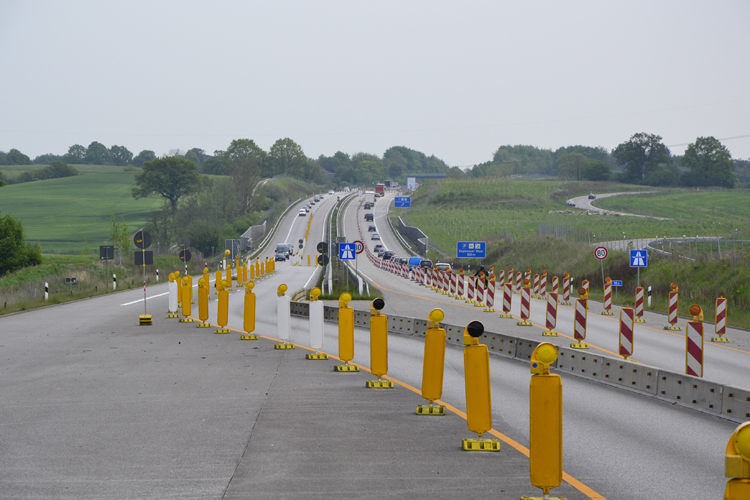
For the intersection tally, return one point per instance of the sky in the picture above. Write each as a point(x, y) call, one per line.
point(452, 79)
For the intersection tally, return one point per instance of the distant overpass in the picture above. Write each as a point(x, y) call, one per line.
point(427, 176)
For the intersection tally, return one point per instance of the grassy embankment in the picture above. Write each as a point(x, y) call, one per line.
point(482, 210)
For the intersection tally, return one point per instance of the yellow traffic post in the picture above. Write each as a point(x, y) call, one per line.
point(478, 390)
point(283, 316)
point(179, 288)
point(378, 346)
point(271, 265)
point(238, 267)
point(262, 268)
point(228, 270)
point(316, 325)
point(206, 280)
point(258, 274)
point(190, 288)
point(186, 308)
point(545, 422)
point(249, 323)
point(346, 334)
point(252, 271)
point(737, 464)
point(433, 365)
point(222, 316)
point(308, 260)
point(244, 272)
point(217, 283)
point(203, 304)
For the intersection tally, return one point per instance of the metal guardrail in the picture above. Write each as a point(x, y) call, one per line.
point(729, 402)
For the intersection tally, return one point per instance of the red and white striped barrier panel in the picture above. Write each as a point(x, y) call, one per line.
point(674, 302)
point(543, 285)
point(720, 327)
point(525, 306)
point(579, 327)
point(460, 279)
point(551, 318)
point(507, 299)
point(479, 300)
point(608, 299)
point(443, 284)
point(639, 305)
point(566, 290)
point(694, 348)
point(490, 299)
point(585, 284)
point(501, 276)
point(453, 283)
point(555, 284)
point(627, 325)
point(536, 285)
point(470, 282)
point(518, 282)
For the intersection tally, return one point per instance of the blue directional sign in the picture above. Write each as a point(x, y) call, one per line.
point(638, 258)
point(402, 202)
point(616, 282)
point(347, 251)
point(471, 250)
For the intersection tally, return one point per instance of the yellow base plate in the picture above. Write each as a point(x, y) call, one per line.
point(346, 368)
point(607, 313)
point(549, 333)
point(639, 320)
point(524, 323)
point(438, 411)
point(564, 303)
point(489, 310)
point(283, 346)
point(249, 337)
point(187, 320)
point(316, 356)
point(719, 339)
point(673, 328)
point(145, 320)
point(379, 384)
point(192, 302)
point(543, 498)
point(506, 316)
point(472, 444)
point(221, 330)
point(579, 346)
point(173, 315)
point(203, 325)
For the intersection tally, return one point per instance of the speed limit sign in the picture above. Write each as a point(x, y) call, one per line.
point(360, 246)
point(601, 253)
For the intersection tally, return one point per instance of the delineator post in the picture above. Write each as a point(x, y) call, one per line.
point(378, 346)
point(433, 365)
point(478, 390)
point(249, 313)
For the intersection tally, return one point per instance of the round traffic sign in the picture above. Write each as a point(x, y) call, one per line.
point(601, 253)
point(322, 260)
point(360, 246)
point(142, 239)
point(322, 247)
point(185, 255)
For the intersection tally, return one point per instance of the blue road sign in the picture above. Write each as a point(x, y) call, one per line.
point(402, 202)
point(347, 251)
point(471, 250)
point(616, 282)
point(638, 258)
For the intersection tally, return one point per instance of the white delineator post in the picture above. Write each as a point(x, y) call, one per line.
point(316, 325)
point(46, 291)
point(283, 317)
point(114, 281)
point(173, 307)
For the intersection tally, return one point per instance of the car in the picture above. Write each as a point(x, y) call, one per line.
point(375, 236)
point(592, 196)
point(372, 229)
point(388, 254)
point(331, 192)
point(570, 203)
point(302, 212)
point(368, 206)
point(280, 256)
point(317, 197)
point(381, 252)
point(425, 264)
point(369, 217)
point(378, 247)
point(442, 266)
point(403, 260)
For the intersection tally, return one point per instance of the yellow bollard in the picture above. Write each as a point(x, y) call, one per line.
point(478, 390)
point(346, 335)
point(222, 316)
point(378, 346)
point(249, 323)
point(433, 365)
point(545, 420)
point(203, 303)
point(252, 271)
point(737, 464)
point(238, 267)
point(228, 277)
point(244, 272)
point(186, 308)
point(257, 268)
point(308, 259)
point(190, 288)
point(179, 288)
point(217, 283)
point(262, 268)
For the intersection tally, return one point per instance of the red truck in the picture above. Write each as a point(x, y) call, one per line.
point(380, 189)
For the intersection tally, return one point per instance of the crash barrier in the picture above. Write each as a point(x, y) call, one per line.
point(729, 402)
point(416, 235)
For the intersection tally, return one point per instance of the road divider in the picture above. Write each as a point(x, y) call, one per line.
point(433, 366)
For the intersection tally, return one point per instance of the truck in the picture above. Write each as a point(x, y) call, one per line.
point(369, 196)
point(380, 189)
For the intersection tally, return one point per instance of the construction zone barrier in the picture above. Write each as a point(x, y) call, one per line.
point(507, 300)
point(551, 316)
point(674, 302)
point(694, 343)
point(478, 390)
point(378, 346)
point(434, 365)
point(490, 297)
point(627, 326)
point(720, 326)
point(639, 305)
point(608, 298)
point(525, 304)
point(566, 290)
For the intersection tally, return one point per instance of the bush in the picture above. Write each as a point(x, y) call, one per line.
point(15, 253)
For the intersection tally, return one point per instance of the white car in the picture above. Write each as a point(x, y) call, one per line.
point(330, 192)
point(375, 236)
point(302, 212)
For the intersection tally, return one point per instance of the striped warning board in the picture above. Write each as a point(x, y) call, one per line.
point(460, 283)
point(536, 285)
point(525, 306)
point(694, 348)
point(627, 322)
point(551, 319)
point(555, 284)
point(639, 305)
point(566, 290)
point(490, 299)
point(607, 299)
point(518, 282)
point(501, 276)
point(580, 321)
point(507, 299)
point(543, 285)
point(674, 302)
point(721, 316)
point(470, 289)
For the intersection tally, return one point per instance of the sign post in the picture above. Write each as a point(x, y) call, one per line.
point(639, 259)
point(347, 251)
point(142, 240)
point(601, 253)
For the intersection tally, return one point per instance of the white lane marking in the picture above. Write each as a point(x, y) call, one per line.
point(147, 298)
point(311, 276)
point(286, 240)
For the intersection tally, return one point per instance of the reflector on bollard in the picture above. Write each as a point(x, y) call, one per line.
point(433, 365)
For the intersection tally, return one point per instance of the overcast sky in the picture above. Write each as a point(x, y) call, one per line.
point(451, 79)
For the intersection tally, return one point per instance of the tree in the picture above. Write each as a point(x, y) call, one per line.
point(119, 234)
point(642, 156)
point(216, 165)
point(48, 158)
point(287, 157)
point(709, 163)
point(144, 156)
point(15, 157)
point(199, 153)
point(596, 170)
point(571, 166)
point(120, 155)
point(57, 169)
point(170, 177)
point(191, 156)
point(15, 253)
point(98, 154)
point(245, 160)
point(76, 154)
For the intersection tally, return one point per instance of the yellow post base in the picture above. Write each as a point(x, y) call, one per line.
point(477, 304)
point(379, 384)
point(317, 356)
point(489, 309)
point(249, 337)
point(283, 346)
point(509, 316)
point(438, 411)
point(564, 303)
point(469, 301)
point(737, 489)
point(203, 325)
point(192, 302)
point(549, 333)
point(173, 315)
point(221, 330)
point(524, 323)
point(473, 444)
point(543, 498)
point(607, 313)
point(582, 345)
point(187, 320)
point(145, 320)
point(719, 339)
point(346, 368)
point(673, 328)
point(639, 320)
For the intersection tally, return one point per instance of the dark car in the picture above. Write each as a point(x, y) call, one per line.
point(592, 196)
point(280, 256)
point(425, 264)
point(378, 247)
point(368, 206)
point(369, 217)
point(372, 229)
point(388, 254)
point(403, 260)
